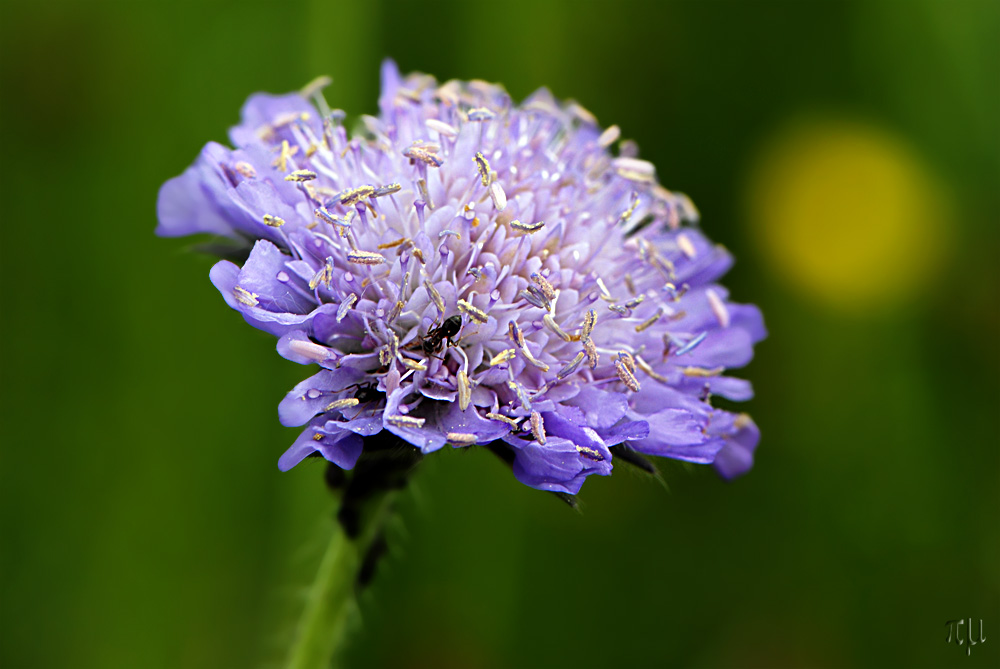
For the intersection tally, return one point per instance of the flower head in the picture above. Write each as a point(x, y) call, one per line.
point(469, 271)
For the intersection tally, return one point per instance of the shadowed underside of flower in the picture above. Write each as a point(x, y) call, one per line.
point(466, 271)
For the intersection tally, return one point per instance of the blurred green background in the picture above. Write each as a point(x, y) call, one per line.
point(847, 152)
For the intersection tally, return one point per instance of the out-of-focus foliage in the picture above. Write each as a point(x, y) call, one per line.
point(847, 152)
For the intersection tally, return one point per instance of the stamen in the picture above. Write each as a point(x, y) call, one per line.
point(533, 360)
point(498, 196)
point(435, 296)
point(590, 453)
point(609, 137)
point(649, 321)
point(365, 257)
point(464, 391)
point(629, 283)
point(627, 214)
point(474, 312)
point(515, 334)
point(342, 404)
point(605, 293)
point(741, 421)
point(718, 308)
point(425, 194)
point(483, 166)
point(317, 436)
point(503, 356)
point(627, 360)
point(406, 421)
point(627, 377)
point(503, 419)
point(551, 324)
point(453, 233)
point(345, 306)
point(538, 427)
point(396, 310)
point(530, 228)
point(273, 221)
point(315, 86)
point(462, 438)
point(300, 175)
point(328, 217)
point(571, 367)
point(245, 296)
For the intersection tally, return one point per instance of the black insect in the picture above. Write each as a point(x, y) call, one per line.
point(367, 393)
point(432, 340)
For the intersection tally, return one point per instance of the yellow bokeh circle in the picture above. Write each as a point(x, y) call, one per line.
point(848, 213)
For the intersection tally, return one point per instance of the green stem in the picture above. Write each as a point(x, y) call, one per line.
point(331, 600)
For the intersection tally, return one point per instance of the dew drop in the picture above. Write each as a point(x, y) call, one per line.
point(282, 277)
point(348, 277)
point(313, 393)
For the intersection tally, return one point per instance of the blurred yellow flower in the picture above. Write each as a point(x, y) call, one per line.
point(847, 212)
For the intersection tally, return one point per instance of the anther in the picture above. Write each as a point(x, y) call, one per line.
point(571, 367)
point(649, 321)
point(591, 350)
point(718, 308)
point(590, 453)
point(245, 296)
point(425, 153)
point(609, 137)
point(533, 360)
point(534, 298)
point(345, 306)
point(521, 395)
point(308, 349)
point(627, 377)
point(483, 166)
point(691, 344)
point(355, 195)
point(435, 296)
point(388, 189)
point(246, 169)
point(503, 356)
point(286, 152)
point(441, 127)
point(635, 301)
point(394, 244)
point(635, 169)
point(498, 196)
point(474, 313)
point(515, 333)
point(406, 421)
point(702, 372)
point(300, 175)
point(273, 221)
point(481, 114)
point(544, 285)
point(538, 427)
point(365, 258)
point(589, 320)
point(686, 246)
point(503, 419)
point(342, 404)
point(527, 227)
point(414, 365)
point(464, 390)
point(462, 438)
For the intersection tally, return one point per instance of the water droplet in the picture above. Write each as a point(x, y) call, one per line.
point(282, 277)
point(348, 277)
point(313, 393)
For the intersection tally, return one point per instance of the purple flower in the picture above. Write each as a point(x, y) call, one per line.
point(469, 271)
